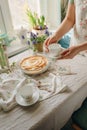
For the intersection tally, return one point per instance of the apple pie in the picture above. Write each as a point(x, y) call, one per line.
point(34, 63)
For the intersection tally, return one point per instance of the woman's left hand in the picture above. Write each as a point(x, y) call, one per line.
point(69, 53)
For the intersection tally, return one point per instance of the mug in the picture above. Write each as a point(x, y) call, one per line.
point(27, 91)
point(55, 50)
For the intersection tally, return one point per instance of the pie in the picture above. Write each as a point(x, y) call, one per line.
point(34, 63)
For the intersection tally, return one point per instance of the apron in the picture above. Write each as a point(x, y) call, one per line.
point(79, 34)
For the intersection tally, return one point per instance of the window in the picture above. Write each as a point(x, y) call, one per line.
point(5, 14)
point(2, 24)
point(18, 13)
point(13, 16)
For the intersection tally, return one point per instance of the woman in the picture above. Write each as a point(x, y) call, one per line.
point(76, 18)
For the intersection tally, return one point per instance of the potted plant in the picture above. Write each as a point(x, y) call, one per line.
point(37, 40)
point(39, 30)
point(36, 22)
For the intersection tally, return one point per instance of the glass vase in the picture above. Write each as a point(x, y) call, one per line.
point(3, 57)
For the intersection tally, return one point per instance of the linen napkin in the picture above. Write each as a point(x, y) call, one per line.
point(50, 85)
point(8, 90)
point(9, 85)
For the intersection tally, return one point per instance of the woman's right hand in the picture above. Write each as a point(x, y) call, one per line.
point(50, 40)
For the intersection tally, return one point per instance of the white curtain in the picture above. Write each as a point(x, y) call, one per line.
point(51, 10)
point(14, 15)
point(5, 18)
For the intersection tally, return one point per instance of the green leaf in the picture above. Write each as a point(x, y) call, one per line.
point(34, 20)
point(31, 18)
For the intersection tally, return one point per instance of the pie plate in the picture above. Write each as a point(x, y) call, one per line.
point(21, 101)
point(35, 72)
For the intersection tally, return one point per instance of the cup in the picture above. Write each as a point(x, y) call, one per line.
point(27, 91)
point(55, 50)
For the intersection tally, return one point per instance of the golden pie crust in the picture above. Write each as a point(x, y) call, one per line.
point(34, 63)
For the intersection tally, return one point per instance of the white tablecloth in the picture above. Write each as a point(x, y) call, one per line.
point(53, 113)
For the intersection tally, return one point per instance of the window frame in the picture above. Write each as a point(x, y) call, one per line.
point(41, 8)
point(6, 15)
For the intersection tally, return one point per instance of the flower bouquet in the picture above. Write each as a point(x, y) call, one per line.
point(37, 40)
point(39, 31)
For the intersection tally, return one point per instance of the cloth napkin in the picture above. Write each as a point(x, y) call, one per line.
point(9, 85)
point(8, 90)
point(50, 85)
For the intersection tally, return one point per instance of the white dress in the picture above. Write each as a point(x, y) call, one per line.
point(80, 28)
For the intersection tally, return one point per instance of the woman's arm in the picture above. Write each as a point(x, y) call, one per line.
point(67, 23)
point(64, 27)
point(83, 46)
point(72, 51)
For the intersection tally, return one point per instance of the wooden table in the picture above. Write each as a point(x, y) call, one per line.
point(53, 113)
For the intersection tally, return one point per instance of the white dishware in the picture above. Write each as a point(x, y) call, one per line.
point(36, 72)
point(27, 91)
point(55, 50)
point(35, 97)
point(22, 35)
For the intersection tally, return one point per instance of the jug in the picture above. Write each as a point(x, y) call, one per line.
point(6, 39)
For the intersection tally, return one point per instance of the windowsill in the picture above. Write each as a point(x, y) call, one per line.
point(15, 48)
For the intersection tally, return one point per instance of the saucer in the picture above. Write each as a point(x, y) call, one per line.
point(21, 101)
point(54, 57)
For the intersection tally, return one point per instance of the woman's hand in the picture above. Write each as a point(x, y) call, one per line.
point(50, 40)
point(70, 52)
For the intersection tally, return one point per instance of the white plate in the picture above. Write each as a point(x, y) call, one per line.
point(36, 72)
point(20, 100)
